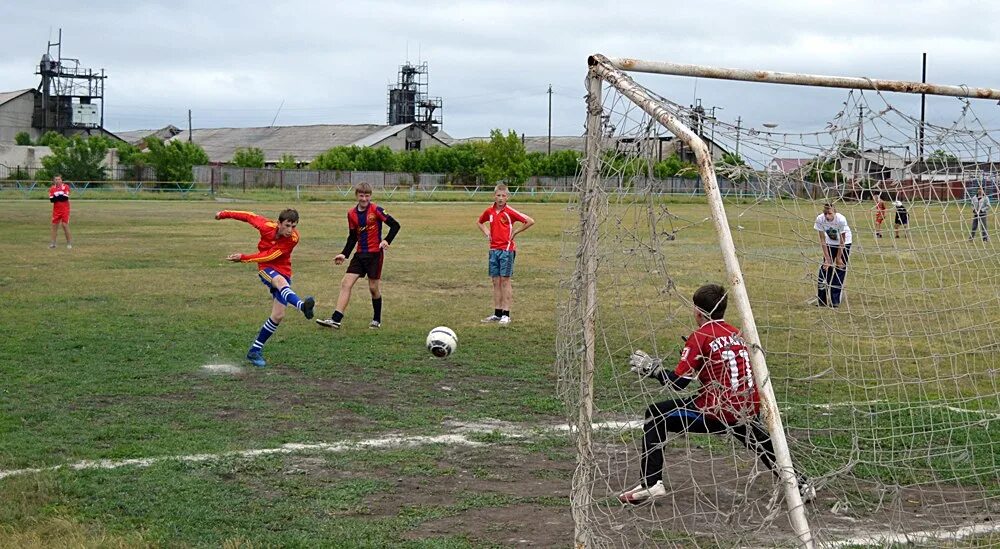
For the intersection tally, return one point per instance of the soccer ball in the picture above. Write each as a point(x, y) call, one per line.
point(442, 341)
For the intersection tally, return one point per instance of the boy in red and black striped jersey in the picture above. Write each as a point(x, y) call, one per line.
point(274, 263)
point(364, 231)
point(726, 402)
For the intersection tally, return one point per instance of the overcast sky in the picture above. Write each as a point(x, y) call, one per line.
point(234, 63)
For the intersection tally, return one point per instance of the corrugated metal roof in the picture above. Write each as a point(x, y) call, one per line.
point(303, 142)
point(7, 96)
point(136, 136)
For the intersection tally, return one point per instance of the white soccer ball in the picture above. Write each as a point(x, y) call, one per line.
point(442, 341)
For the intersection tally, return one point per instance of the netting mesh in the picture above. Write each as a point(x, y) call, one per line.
point(891, 402)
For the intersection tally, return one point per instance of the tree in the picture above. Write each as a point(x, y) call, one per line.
point(374, 159)
point(673, 166)
point(504, 159)
point(173, 161)
point(337, 158)
point(23, 139)
point(76, 159)
point(133, 160)
point(733, 168)
point(51, 138)
point(941, 157)
point(252, 157)
point(287, 162)
point(565, 163)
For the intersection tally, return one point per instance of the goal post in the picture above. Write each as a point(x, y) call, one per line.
point(890, 402)
point(603, 70)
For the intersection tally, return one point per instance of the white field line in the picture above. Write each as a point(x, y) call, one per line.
point(831, 405)
point(391, 441)
point(887, 539)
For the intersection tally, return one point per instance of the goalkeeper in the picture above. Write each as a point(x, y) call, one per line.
point(726, 402)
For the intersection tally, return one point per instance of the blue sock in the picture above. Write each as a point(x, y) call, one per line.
point(266, 331)
point(290, 298)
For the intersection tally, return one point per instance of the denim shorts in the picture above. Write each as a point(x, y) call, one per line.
point(502, 263)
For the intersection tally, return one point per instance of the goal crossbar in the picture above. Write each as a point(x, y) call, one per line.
point(774, 77)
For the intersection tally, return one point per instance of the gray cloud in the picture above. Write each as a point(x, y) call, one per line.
point(233, 63)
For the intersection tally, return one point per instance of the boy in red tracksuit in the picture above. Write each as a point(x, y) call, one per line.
point(59, 197)
point(274, 260)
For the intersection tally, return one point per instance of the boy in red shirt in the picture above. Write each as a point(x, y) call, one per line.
point(880, 209)
point(726, 402)
point(497, 223)
point(274, 261)
point(59, 197)
point(364, 228)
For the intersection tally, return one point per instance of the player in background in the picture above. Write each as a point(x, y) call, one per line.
point(880, 209)
point(497, 223)
point(835, 240)
point(902, 217)
point(726, 401)
point(274, 261)
point(364, 230)
point(980, 207)
point(59, 197)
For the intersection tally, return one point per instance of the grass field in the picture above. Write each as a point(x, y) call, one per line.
point(104, 347)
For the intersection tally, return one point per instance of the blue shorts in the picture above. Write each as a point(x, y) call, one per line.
point(266, 275)
point(502, 263)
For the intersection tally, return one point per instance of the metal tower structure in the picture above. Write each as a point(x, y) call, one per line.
point(409, 102)
point(72, 97)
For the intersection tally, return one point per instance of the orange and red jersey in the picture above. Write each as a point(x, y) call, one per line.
point(716, 355)
point(273, 251)
point(502, 226)
point(366, 227)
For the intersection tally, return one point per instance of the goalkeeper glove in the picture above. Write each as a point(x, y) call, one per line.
point(645, 365)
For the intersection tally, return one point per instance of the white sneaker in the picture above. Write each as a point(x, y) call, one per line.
point(807, 492)
point(52, 245)
point(69, 246)
point(328, 322)
point(375, 325)
point(504, 320)
point(639, 494)
point(491, 318)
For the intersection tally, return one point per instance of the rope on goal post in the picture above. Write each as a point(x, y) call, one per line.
point(627, 87)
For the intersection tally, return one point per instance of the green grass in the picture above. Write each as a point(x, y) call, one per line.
point(102, 349)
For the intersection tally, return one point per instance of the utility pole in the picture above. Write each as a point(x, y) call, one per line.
point(189, 125)
point(550, 120)
point(738, 121)
point(861, 128)
point(923, 107)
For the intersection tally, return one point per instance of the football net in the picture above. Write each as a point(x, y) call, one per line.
point(890, 403)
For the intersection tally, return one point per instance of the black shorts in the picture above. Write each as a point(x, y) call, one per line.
point(902, 218)
point(367, 264)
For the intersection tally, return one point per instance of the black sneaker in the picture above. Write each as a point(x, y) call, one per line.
point(307, 307)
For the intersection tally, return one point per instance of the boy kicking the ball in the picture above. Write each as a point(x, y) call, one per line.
point(274, 261)
point(726, 402)
point(497, 223)
point(364, 229)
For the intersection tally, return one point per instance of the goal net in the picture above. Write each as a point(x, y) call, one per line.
point(889, 403)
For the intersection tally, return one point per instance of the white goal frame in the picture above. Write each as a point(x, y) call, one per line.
point(584, 293)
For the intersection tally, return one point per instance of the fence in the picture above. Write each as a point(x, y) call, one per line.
point(223, 178)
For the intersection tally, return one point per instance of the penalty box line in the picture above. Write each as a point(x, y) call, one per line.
point(391, 441)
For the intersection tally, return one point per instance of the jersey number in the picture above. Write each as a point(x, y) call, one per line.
point(734, 370)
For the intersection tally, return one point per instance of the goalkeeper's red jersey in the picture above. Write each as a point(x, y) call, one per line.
point(716, 355)
point(273, 251)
